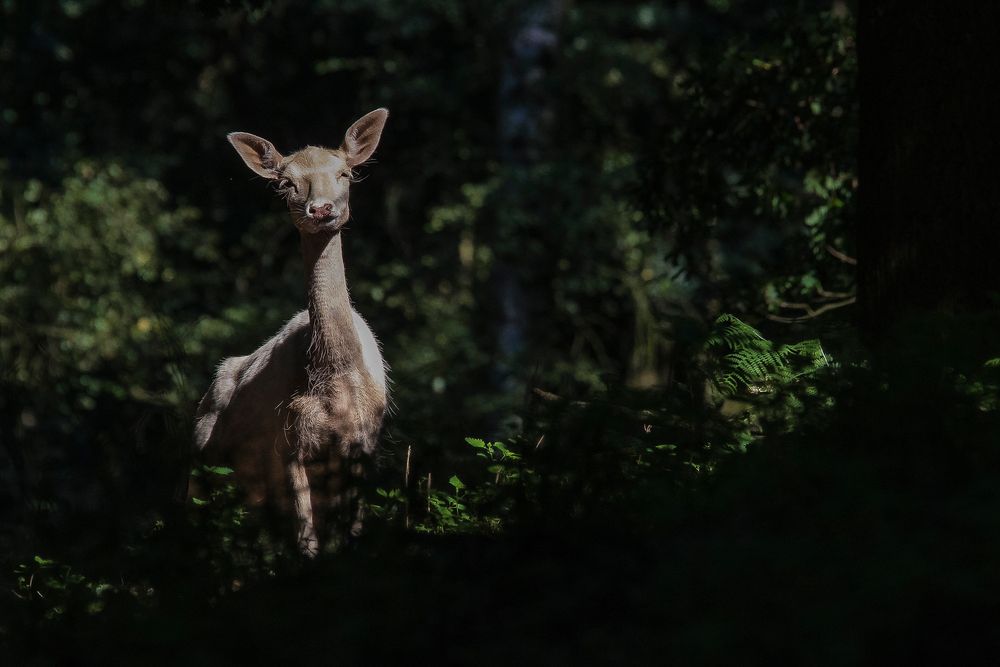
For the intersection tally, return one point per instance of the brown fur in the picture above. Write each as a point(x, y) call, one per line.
point(299, 418)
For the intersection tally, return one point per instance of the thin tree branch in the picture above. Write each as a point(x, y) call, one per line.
point(795, 305)
point(811, 312)
point(846, 259)
point(832, 295)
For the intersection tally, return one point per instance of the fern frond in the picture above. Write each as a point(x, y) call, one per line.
point(754, 363)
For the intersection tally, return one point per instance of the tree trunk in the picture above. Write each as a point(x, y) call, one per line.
point(928, 233)
point(524, 117)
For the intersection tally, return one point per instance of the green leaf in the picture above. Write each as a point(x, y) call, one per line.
point(199, 501)
point(219, 470)
point(456, 482)
point(505, 451)
point(478, 443)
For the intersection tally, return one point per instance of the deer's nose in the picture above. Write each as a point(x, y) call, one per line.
point(320, 210)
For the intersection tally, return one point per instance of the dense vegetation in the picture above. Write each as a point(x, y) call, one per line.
point(633, 417)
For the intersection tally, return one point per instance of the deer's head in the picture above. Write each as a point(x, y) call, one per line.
point(315, 181)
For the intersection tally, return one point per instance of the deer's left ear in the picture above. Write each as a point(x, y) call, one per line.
point(362, 137)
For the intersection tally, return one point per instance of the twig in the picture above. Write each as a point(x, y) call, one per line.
point(832, 295)
point(810, 312)
point(846, 259)
point(406, 470)
point(796, 305)
point(406, 489)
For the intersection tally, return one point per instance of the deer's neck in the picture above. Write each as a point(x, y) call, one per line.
point(334, 347)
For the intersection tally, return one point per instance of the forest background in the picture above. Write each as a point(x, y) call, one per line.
point(613, 253)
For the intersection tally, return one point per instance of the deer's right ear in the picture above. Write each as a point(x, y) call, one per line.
point(258, 153)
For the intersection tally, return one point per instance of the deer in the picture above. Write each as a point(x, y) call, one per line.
point(298, 420)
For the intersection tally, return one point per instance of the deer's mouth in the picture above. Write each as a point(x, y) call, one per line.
point(331, 225)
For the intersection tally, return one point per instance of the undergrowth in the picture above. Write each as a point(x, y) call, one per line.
point(796, 501)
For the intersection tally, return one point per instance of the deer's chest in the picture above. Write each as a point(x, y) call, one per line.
point(343, 411)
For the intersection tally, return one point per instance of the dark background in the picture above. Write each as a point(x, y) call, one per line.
point(741, 417)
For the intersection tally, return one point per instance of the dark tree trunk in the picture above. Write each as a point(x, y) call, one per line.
point(524, 119)
point(929, 230)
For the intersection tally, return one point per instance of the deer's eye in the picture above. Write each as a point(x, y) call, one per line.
point(345, 174)
point(287, 184)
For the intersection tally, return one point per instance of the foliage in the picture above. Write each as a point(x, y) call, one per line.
point(234, 546)
point(116, 262)
point(756, 173)
point(56, 586)
point(671, 547)
point(755, 364)
point(100, 282)
point(479, 509)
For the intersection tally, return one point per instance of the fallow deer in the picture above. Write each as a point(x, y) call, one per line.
point(299, 418)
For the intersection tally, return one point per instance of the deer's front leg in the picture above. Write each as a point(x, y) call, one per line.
point(354, 500)
point(357, 465)
point(314, 428)
point(306, 538)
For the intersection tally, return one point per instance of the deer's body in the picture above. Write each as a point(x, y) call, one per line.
point(299, 417)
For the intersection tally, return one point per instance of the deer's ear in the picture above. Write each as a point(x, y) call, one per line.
point(362, 137)
point(259, 154)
